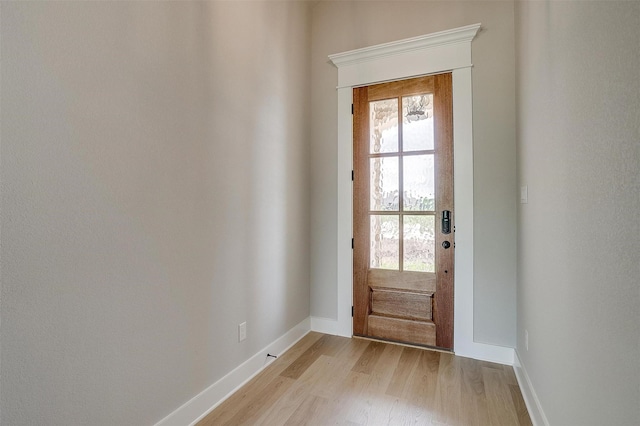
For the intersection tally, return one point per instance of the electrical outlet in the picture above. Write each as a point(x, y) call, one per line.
point(242, 332)
point(526, 340)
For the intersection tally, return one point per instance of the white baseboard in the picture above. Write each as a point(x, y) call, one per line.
point(538, 418)
point(325, 325)
point(200, 405)
point(485, 352)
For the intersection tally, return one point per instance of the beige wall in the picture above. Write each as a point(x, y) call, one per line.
point(154, 195)
point(579, 235)
point(342, 26)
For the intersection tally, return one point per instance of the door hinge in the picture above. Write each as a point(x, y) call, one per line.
point(352, 244)
point(352, 311)
point(351, 109)
point(352, 175)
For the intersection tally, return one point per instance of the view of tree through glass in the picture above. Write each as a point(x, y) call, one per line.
point(417, 123)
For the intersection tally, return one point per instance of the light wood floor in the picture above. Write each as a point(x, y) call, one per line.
point(326, 380)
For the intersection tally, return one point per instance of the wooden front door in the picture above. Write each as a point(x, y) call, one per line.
point(403, 211)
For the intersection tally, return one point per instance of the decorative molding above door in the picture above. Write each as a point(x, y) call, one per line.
point(422, 55)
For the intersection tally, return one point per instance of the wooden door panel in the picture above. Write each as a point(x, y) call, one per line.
point(409, 87)
point(443, 297)
point(360, 208)
point(395, 303)
point(424, 282)
point(403, 330)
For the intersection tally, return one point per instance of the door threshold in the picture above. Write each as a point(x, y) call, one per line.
point(409, 345)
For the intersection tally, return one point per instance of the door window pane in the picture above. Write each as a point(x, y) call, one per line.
point(417, 122)
point(383, 126)
point(383, 182)
point(418, 183)
point(385, 242)
point(419, 243)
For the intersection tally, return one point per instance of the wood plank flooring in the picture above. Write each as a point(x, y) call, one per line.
point(331, 380)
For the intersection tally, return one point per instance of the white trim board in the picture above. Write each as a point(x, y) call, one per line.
point(324, 325)
point(430, 54)
point(202, 404)
point(538, 418)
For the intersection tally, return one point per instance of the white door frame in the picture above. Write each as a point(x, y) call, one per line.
point(429, 54)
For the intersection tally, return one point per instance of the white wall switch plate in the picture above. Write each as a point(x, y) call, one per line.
point(242, 332)
point(524, 194)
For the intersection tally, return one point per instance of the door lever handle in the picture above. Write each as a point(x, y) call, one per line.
point(446, 222)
